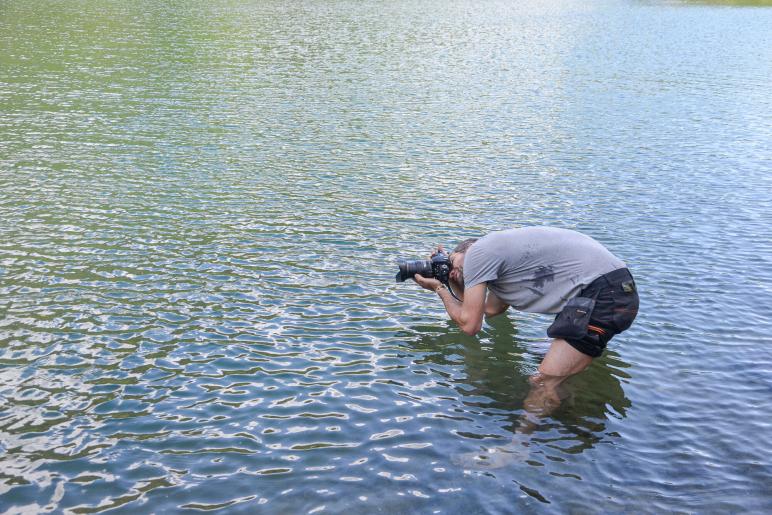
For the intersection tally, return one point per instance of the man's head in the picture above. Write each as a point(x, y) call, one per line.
point(457, 260)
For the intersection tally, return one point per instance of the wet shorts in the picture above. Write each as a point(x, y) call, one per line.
point(616, 304)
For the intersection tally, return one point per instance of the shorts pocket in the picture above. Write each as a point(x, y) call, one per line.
point(625, 308)
point(573, 320)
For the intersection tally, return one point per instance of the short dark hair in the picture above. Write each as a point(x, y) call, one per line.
point(464, 245)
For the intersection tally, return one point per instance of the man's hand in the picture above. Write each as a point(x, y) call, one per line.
point(439, 250)
point(467, 313)
point(427, 282)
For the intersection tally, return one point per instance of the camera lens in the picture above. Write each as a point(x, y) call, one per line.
point(407, 269)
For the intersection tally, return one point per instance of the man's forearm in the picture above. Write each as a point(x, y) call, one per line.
point(458, 289)
point(467, 314)
point(456, 312)
point(452, 306)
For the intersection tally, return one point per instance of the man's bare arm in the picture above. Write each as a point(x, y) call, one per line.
point(457, 289)
point(494, 305)
point(469, 313)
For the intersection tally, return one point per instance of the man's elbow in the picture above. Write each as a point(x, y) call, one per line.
point(472, 328)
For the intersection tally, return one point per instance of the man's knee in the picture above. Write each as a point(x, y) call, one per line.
point(563, 360)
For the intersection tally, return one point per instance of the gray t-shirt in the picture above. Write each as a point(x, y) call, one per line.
point(537, 269)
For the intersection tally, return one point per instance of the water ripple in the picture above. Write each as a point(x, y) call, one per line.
point(200, 208)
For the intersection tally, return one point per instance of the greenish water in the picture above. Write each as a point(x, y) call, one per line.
point(200, 208)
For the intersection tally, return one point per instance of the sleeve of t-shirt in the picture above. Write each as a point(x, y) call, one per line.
point(480, 266)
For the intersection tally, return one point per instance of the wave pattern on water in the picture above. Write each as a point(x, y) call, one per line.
point(200, 208)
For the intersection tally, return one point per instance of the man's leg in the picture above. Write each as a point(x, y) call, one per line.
point(561, 362)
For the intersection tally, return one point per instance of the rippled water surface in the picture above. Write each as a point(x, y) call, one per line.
point(200, 207)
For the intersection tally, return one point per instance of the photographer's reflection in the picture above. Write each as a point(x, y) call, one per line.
point(498, 378)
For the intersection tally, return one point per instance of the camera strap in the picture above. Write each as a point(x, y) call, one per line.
point(447, 285)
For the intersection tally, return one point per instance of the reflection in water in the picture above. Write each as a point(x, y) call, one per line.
point(492, 377)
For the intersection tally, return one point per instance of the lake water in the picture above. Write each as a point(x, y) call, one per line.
point(200, 208)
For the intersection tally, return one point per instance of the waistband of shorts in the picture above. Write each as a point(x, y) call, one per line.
point(614, 277)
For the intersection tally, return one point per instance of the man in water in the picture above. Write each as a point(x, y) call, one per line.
point(543, 270)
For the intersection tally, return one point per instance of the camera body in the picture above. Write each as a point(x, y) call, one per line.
point(438, 267)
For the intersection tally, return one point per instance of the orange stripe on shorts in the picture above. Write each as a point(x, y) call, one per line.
point(596, 329)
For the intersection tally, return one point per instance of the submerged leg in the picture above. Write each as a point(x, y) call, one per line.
point(561, 362)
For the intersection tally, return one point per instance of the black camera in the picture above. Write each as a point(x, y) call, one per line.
point(438, 267)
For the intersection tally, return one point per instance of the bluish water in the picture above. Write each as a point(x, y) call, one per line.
point(200, 208)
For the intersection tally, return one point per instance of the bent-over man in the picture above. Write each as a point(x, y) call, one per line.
point(543, 270)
